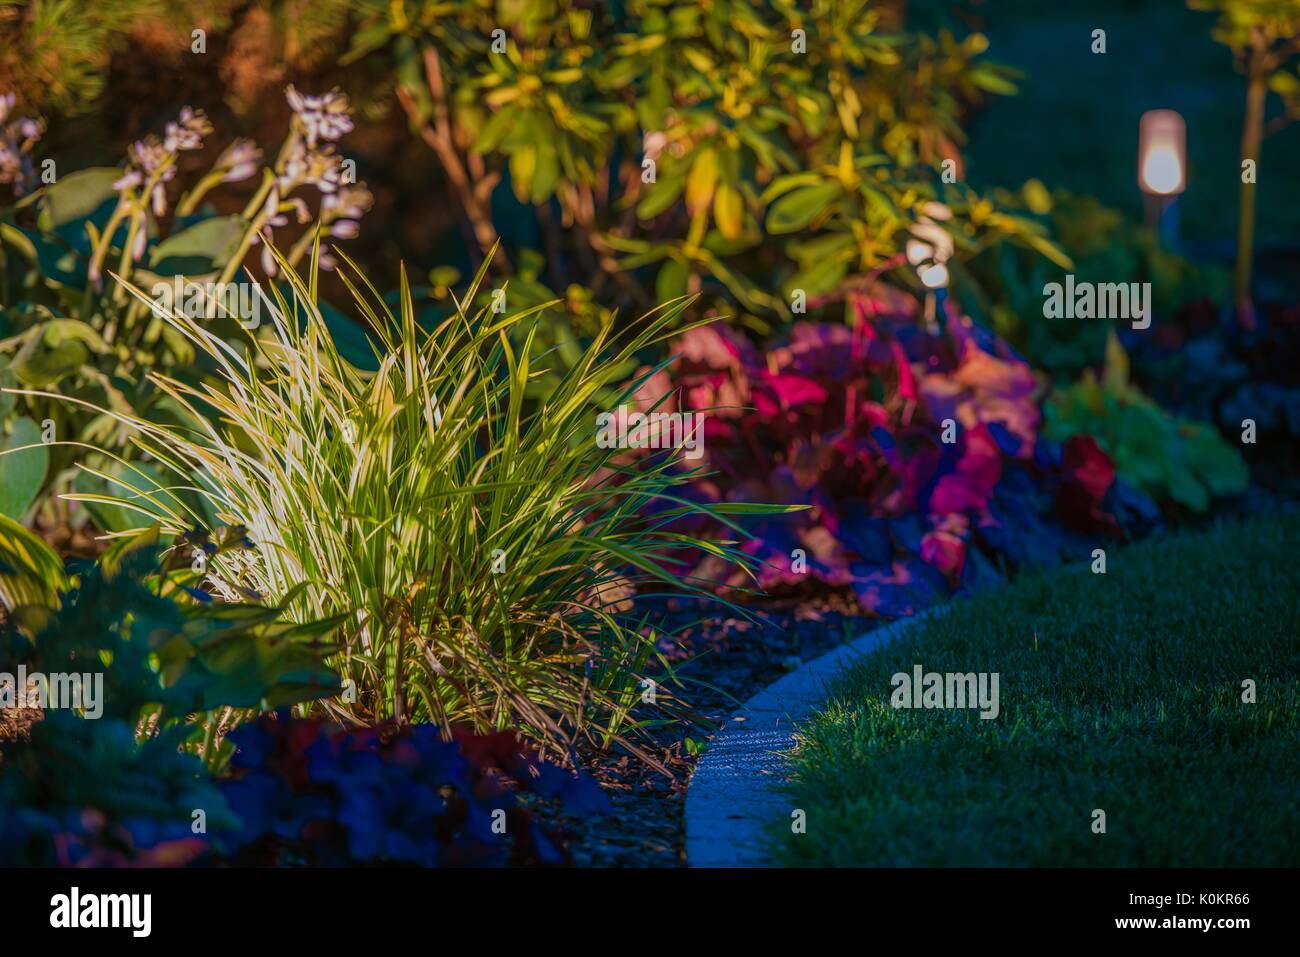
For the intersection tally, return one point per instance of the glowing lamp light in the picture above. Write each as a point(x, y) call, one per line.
point(935, 276)
point(1162, 153)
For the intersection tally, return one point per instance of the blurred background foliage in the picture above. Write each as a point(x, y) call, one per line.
point(768, 157)
point(769, 164)
point(1160, 55)
point(774, 158)
point(106, 63)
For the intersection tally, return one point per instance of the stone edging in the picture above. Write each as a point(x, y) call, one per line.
point(732, 797)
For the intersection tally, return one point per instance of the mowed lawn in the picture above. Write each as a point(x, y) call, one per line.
point(1120, 692)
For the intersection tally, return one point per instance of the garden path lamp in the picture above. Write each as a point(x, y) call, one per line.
point(1162, 170)
point(928, 251)
point(935, 280)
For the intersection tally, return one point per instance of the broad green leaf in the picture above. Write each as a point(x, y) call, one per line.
point(495, 130)
point(523, 166)
point(797, 209)
point(784, 184)
point(660, 196)
point(728, 212)
point(702, 179)
point(810, 252)
point(85, 194)
point(1215, 462)
point(58, 261)
point(7, 381)
point(130, 485)
point(547, 175)
point(201, 249)
point(59, 348)
point(671, 282)
point(819, 278)
point(878, 201)
point(22, 473)
point(1186, 490)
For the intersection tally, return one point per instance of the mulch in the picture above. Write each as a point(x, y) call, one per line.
point(16, 724)
point(728, 659)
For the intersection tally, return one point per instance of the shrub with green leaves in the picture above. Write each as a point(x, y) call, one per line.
point(57, 55)
point(1170, 458)
point(768, 156)
point(484, 548)
point(742, 150)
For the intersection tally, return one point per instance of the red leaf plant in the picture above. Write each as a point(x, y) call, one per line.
point(917, 453)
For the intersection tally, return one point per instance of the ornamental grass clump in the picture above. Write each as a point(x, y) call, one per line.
point(483, 544)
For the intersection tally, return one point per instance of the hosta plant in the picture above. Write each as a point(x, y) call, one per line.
point(173, 653)
point(66, 327)
point(1170, 458)
point(483, 548)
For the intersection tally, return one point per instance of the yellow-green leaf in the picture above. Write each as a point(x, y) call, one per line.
point(729, 212)
point(700, 183)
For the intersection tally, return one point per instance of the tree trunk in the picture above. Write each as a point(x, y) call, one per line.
point(1252, 135)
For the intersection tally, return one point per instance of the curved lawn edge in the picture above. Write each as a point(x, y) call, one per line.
point(1148, 718)
point(734, 794)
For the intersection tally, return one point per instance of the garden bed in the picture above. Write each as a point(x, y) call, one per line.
point(319, 367)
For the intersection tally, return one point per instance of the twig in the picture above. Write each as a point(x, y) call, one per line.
point(473, 187)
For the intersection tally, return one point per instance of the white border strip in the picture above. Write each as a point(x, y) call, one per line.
point(733, 796)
